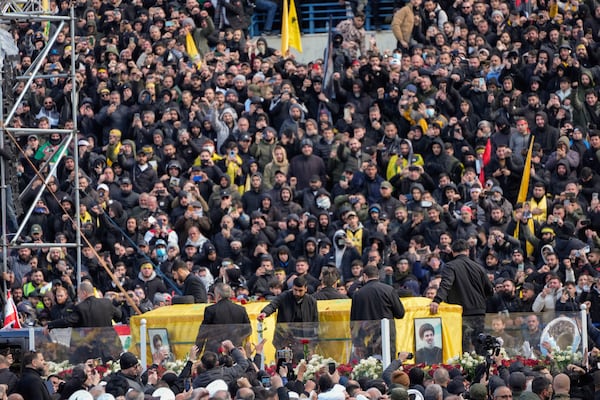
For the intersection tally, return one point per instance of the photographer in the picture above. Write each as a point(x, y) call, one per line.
point(568, 299)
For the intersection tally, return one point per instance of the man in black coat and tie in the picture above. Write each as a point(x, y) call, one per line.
point(191, 284)
point(373, 302)
point(223, 320)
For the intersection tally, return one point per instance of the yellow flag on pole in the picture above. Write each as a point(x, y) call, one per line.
point(192, 50)
point(290, 28)
point(285, 29)
point(526, 175)
point(294, 28)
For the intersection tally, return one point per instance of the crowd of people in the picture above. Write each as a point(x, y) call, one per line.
point(234, 373)
point(290, 181)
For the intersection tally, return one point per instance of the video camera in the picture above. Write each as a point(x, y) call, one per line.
point(490, 343)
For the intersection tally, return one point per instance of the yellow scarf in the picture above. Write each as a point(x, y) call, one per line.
point(542, 205)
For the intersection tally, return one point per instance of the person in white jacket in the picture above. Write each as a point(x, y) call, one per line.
point(546, 300)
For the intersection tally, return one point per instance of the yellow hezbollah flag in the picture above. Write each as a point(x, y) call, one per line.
point(526, 173)
point(192, 50)
point(290, 28)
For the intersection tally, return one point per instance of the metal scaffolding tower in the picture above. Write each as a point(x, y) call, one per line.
point(12, 12)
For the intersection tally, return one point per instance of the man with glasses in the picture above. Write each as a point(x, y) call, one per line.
point(49, 111)
point(131, 370)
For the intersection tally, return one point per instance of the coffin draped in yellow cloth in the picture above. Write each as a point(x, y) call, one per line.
point(182, 323)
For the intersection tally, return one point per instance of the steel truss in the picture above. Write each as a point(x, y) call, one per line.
point(12, 11)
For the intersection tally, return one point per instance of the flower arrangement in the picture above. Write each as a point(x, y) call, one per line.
point(468, 363)
point(346, 369)
point(313, 366)
point(112, 367)
point(56, 368)
point(562, 358)
point(175, 366)
point(527, 362)
point(370, 368)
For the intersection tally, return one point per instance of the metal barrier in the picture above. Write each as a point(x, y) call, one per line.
point(314, 17)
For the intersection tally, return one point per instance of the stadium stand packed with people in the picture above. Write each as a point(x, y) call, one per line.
point(252, 176)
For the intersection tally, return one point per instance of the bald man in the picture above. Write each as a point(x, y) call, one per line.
point(89, 312)
point(561, 386)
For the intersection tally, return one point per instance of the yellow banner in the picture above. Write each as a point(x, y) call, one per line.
point(183, 321)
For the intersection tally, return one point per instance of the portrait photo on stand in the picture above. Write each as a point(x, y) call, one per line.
point(428, 340)
point(159, 343)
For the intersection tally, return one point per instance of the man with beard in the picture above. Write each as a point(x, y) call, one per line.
point(506, 300)
point(294, 306)
point(545, 134)
point(389, 203)
point(302, 271)
point(144, 176)
point(590, 157)
point(31, 385)
point(252, 198)
point(19, 265)
point(289, 235)
point(552, 291)
point(368, 182)
point(507, 169)
point(306, 165)
point(295, 121)
point(114, 116)
point(285, 199)
point(430, 353)
point(315, 100)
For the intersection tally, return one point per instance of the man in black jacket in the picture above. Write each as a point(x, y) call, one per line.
point(465, 282)
point(192, 285)
point(373, 302)
point(329, 277)
point(89, 312)
point(223, 320)
point(31, 385)
point(297, 317)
